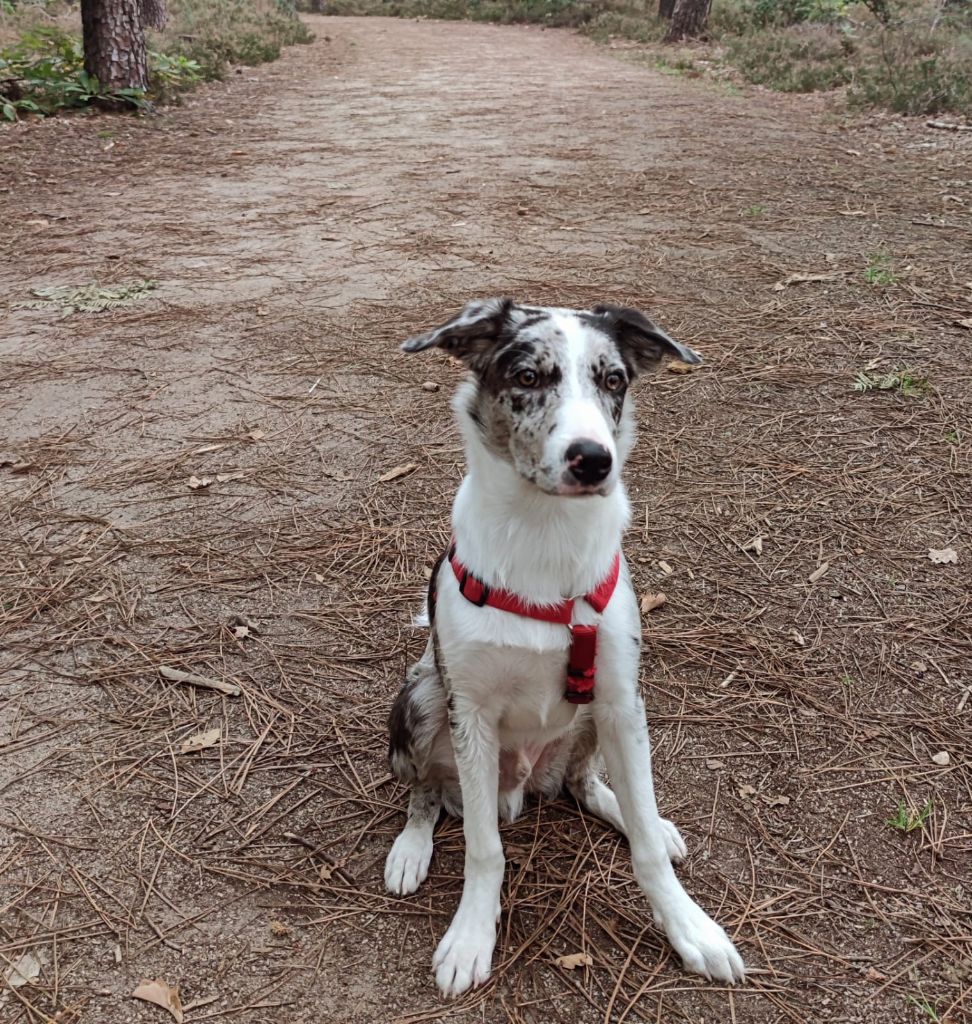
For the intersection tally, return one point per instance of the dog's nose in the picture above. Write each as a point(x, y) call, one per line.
point(588, 461)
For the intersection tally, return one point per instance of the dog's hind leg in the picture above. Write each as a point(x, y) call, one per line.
point(408, 860)
point(418, 716)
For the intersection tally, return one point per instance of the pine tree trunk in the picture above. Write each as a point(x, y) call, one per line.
point(114, 43)
point(153, 13)
point(666, 8)
point(688, 20)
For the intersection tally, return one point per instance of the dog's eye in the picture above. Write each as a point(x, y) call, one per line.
point(614, 381)
point(527, 378)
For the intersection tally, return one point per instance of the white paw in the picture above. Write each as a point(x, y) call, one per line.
point(703, 946)
point(674, 843)
point(464, 956)
point(407, 865)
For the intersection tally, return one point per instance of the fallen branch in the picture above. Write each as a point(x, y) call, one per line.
point(949, 126)
point(192, 679)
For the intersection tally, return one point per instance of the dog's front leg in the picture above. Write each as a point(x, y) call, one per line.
point(623, 734)
point(465, 953)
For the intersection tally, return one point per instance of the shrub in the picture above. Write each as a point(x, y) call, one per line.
point(802, 58)
point(214, 33)
point(918, 69)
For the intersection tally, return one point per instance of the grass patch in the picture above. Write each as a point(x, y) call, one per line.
point(908, 820)
point(880, 270)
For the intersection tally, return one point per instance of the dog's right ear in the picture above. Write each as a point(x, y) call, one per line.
point(468, 335)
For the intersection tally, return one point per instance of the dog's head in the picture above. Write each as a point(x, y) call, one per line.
point(549, 386)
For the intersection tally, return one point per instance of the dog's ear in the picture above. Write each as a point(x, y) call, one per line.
point(468, 335)
point(641, 342)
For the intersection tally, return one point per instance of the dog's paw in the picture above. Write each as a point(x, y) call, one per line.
point(674, 843)
point(464, 956)
point(407, 865)
point(703, 946)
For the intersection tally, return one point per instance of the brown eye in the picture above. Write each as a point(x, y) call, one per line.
point(527, 378)
point(614, 381)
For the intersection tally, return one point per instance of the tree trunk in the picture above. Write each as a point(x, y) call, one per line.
point(114, 43)
point(153, 14)
point(688, 20)
point(666, 8)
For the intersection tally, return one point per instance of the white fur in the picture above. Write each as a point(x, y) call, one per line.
point(506, 674)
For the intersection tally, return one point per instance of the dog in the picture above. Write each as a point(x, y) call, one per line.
point(530, 675)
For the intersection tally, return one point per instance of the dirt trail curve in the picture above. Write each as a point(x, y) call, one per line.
point(300, 220)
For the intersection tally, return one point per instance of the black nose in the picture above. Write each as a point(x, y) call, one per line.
point(589, 462)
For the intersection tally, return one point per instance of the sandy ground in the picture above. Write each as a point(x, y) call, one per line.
point(300, 220)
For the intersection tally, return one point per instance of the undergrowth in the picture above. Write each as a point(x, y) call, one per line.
point(42, 61)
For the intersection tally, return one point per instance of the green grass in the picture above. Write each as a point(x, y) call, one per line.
point(880, 270)
point(908, 820)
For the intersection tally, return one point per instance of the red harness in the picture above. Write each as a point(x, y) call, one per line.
point(581, 674)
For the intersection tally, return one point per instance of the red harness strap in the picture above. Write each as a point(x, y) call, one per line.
point(581, 662)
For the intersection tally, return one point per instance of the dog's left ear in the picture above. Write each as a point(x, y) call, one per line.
point(641, 342)
point(469, 334)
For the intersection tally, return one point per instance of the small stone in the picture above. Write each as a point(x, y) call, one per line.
point(942, 758)
point(430, 385)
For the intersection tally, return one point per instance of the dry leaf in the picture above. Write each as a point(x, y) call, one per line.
point(196, 482)
point(326, 871)
point(942, 758)
point(803, 279)
point(222, 478)
point(241, 632)
point(714, 765)
point(873, 974)
point(777, 801)
point(574, 960)
point(256, 435)
point(943, 556)
point(747, 792)
point(318, 578)
point(649, 602)
point(279, 929)
point(797, 637)
point(665, 568)
point(677, 366)
point(919, 666)
point(24, 971)
point(755, 545)
point(161, 994)
point(200, 741)
point(818, 572)
point(262, 311)
point(398, 472)
point(967, 324)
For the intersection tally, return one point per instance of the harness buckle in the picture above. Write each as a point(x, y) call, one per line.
point(467, 587)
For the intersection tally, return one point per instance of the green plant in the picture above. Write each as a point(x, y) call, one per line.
point(879, 269)
point(951, 437)
point(904, 381)
point(907, 820)
point(756, 210)
point(805, 58)
point(44, 72)
point(925, 1007)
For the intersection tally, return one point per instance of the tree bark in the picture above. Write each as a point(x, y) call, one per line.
point(688, 20)
point(666, 8)
point(114, 43)
point(153, 13)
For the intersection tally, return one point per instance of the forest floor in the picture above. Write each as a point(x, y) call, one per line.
point(201, 480)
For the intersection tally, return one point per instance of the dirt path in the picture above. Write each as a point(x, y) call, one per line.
point(300, 220)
